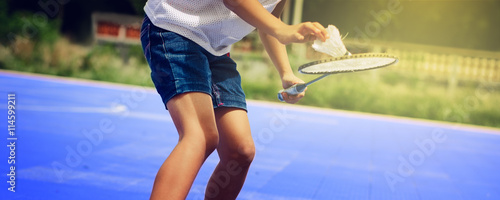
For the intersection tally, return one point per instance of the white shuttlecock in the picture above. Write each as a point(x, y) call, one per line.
point(332, 46)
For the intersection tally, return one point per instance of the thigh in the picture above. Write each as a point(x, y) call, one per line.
point(235, 138)
point(194, 116)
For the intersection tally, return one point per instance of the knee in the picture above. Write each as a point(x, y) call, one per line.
point(211, 136)
point(206, 141)
point(211, 142)
point(244, 155)
point(247, 153)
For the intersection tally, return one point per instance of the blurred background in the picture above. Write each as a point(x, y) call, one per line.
point(449, 50)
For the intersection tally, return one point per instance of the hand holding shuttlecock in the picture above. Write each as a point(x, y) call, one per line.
point(333, 46)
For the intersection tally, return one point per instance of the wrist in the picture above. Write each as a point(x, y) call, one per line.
point(286, 74)
point(275, 28)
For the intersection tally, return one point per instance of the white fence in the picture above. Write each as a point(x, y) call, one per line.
point(462, 64)
point(448, 64)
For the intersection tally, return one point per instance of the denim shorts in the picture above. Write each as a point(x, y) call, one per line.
point(178, 65)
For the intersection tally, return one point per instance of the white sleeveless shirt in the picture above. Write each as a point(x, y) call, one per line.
point(209, 23)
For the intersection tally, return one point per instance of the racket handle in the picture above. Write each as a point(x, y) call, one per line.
point(294, 90)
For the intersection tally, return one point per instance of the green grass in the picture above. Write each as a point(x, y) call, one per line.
point(100, 62)
point(387, 91)
point(384, 91)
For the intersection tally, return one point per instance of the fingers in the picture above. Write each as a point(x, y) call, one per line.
point(323, 33)
point(314, 30)
point(292, 99)
point(289, 80)
point(301, 33)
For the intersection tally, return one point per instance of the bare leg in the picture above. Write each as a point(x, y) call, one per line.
point(194, 119)
point(236, 151)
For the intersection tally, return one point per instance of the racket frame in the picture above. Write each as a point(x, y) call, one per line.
point(299, 88)
point(346, 57)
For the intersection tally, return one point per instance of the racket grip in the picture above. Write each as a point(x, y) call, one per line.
point(294, 90)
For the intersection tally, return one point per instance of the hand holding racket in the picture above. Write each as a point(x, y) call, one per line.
point(288, 82)
point(335, 65)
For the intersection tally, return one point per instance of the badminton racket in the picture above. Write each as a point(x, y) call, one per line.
point(335, 65)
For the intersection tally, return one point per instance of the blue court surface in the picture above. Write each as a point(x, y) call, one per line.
point(76, 139)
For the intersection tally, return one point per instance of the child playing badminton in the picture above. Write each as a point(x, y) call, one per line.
point(186, 44)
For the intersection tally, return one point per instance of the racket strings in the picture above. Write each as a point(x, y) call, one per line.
point(350, 63)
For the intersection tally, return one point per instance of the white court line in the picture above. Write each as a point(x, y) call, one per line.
point(113, 109)
point(76, 81)
point(119, 109)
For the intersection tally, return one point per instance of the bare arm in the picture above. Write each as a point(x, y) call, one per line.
point(256, 15)
point(278, 54)
point(274, 33)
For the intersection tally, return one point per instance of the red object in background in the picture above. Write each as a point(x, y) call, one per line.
point(108, 28)
point(132, 32)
